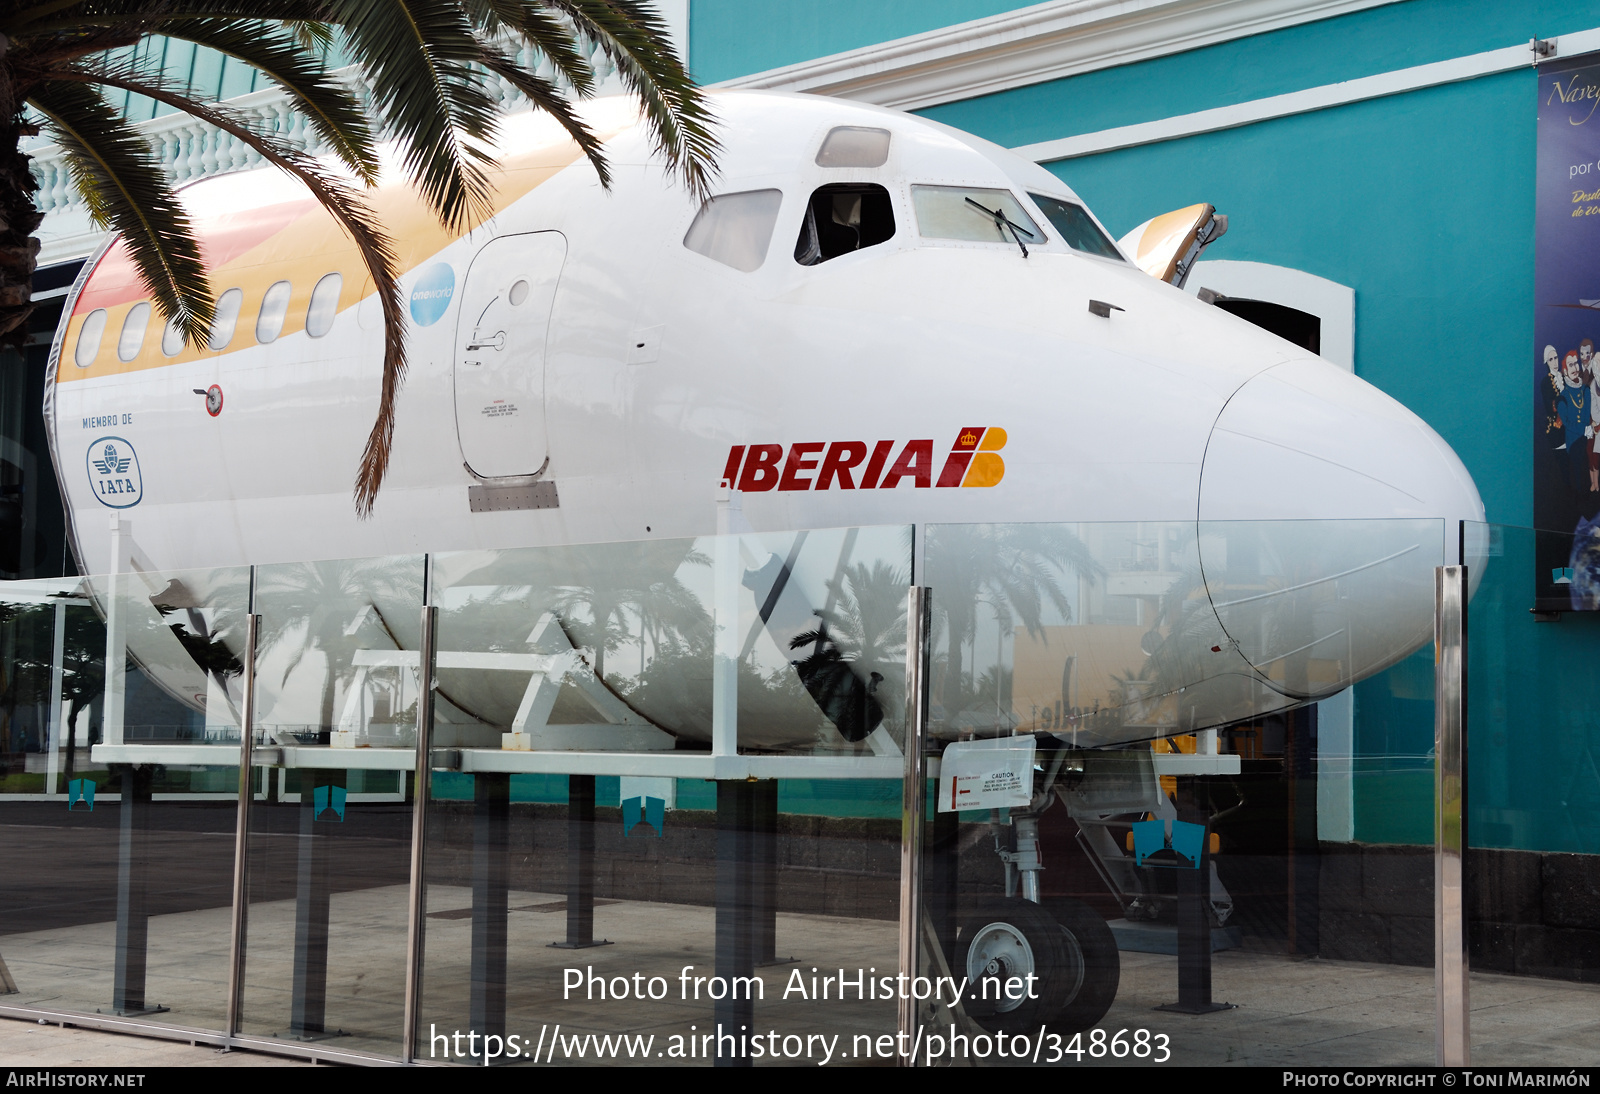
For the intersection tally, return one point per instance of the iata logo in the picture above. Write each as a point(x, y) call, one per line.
point(974, 460)
point(114, 473)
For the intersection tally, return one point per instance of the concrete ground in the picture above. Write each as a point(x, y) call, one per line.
point(1289, 1011)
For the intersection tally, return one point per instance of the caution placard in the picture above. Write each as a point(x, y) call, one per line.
point(993, 774)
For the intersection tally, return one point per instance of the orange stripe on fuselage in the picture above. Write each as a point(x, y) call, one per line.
point(295, 241)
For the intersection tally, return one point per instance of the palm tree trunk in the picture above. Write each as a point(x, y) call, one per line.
point(19, 219)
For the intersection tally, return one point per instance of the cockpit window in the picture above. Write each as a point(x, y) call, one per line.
point(734, 229)
point(1076, 226)
point(854, 146)
point(973, 213)
point(841, 218)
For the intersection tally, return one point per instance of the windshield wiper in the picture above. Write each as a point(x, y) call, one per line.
point(1002, 221)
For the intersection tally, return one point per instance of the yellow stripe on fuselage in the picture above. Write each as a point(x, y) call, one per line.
point(301, 252)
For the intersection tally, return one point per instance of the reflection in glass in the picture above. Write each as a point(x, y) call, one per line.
point(324, 305)
point(274, 307)
point(89, 336)
point(172, 339)
point(133, 327)
point(227, 318)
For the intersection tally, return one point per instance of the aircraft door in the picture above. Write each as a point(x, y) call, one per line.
point(499, 353)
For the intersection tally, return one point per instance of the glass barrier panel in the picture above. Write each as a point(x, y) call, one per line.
point(121, 706)
point(1533, 800)
point(1175, 760)
point(602, 919)
point(329, 856)
point(639, 815)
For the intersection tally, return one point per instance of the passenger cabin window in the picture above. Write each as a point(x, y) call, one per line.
point(227, 319)
point(324, 305)
point(854, 146)
point(172, 339)
point(133, 328)
point(94, 328)
point(735, 229)
point(1076, 226)
point(973, 213)
point(274, 308)
point(844, 217)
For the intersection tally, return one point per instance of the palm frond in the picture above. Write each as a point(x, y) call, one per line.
point(353, 215)
point(333, 112)
point(634, 38)
point(311, 36)
point(547, 97)
point(539, 29)
point(418, 56)
point(123, 185)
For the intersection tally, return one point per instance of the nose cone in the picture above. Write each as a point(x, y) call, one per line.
point(1324, 508)
point(1307, 440)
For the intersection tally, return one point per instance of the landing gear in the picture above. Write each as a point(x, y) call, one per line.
point(1097, 955)
point(1015, 959)
point(1065, 947)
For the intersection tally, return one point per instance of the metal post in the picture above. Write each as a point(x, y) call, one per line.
point(116, 679)
point(419, 833)
point(913, 792)
point(764, 865)
point(580, 865)
point(241, 834)
point(732, 1016)
point(1452, 1044)
point(491, 878)
point(313, 893)
point(1194, 915)
point(57, 722)
point(133, 918)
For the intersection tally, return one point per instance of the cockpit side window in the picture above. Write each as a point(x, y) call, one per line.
point(844, 217)
point(735, 229)
point(1076, 226)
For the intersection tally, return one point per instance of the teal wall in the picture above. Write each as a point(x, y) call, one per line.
point(729, 38)
point(1423, 203)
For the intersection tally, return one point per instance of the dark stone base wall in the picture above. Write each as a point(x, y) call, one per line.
point(842, 866)
point(1528, 913)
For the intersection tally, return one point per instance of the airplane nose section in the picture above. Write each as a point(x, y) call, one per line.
point(1324, 508)
point(1306, 439)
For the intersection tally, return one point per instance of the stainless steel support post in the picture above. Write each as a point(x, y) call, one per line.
point(419, 833)
point(241, 833)
point(913, 794)
point(1452, 1043)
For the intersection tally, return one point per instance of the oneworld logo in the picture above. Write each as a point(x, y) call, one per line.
point(114, 473)
point(430, 296)
point(973, 460)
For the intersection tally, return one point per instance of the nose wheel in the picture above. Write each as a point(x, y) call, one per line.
point(1026, 967)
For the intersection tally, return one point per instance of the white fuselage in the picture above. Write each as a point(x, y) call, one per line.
point(657, 362)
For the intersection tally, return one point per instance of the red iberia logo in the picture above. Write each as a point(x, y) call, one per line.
point(974, 460)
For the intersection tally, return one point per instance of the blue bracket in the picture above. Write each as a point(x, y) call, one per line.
point(1181, 850)
point(80, 790)
point(324, 798)
point(652, 811)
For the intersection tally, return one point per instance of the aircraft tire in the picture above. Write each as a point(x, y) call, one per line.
point(1096, 949)
point(1008, 937)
